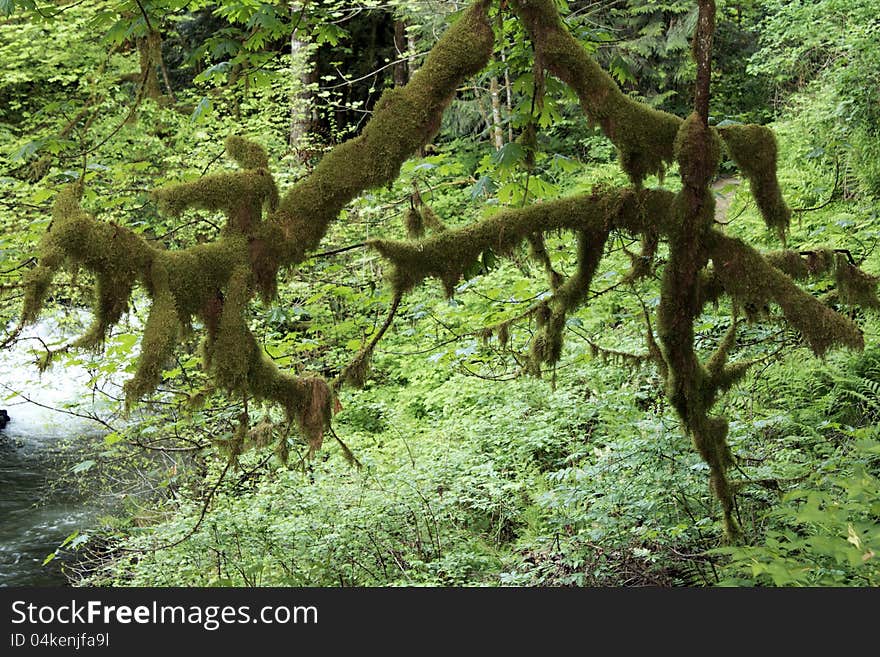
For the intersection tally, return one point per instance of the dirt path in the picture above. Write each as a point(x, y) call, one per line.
point(724, 189)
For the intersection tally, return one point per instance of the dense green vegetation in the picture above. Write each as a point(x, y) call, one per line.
point(450, 466)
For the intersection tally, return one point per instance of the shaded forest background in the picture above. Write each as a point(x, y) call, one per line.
point(470, 473)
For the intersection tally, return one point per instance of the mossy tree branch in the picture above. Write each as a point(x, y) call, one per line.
point(264, 231)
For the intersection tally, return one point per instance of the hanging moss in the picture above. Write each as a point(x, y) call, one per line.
point(230, 359)
point(431, 219)
point(855, 286)
point(412, 221)
point(642, 263)
point(753, 149)
point(643, 136)
point(698, 153)
point(239, 195)
point(750, 279)
point(159, 337)
point(448, 255)
point(247, 154)
point(502, 334)
point(793, 264)
point(116, 256)
point(571, 294)
point(356, 372)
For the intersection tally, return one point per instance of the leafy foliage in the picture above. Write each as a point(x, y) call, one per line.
point(583, 478)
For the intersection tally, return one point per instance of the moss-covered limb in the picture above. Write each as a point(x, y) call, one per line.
point(308, 401)
point(447, 255)
point(246, 153)
point(180, 283)
point(412, 222)
point(753, 149)
point(355, 373)
point(241, 195)
point(229, 362)
point(719, 359)
point(159, 337)
point(643, 136)
point(680, 301)
point(538, 252)
point(753, 281)
point(698, 153)
point(710, 438)
point(230, 193)
point(420, 216)
point(854, 286)
point(570, 295)
point(617, 356)
point(643, 262)
point(722, 376)
point(689, 384)
point(117, 256)
point(199, 272)
point(403, 120)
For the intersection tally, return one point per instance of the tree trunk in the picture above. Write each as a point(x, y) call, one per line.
point(150, 51)
point(401, 68)
point(508, 92)
point(300, 66)
point(497, 126)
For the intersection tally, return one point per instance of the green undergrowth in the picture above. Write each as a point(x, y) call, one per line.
point(468, 482)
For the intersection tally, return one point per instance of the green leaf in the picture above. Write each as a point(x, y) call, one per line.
point(509, 155)
point(202, 111)
point(111, 439)
point(485, 186)
point(83, 466)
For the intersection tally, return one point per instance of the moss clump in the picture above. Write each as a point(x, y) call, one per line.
point(116, 256)
point(572, 293)
point(793, 264)
point(698, 153)
point(412, 222)
point(431, 219)
point(356, 372)
point(855, 286)
point(159, 337)
point(247, 154)
point(420, 217)
point(753, 149)
point(242, 196)
point(229, 362)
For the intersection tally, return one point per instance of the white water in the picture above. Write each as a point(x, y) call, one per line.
point(34, 519)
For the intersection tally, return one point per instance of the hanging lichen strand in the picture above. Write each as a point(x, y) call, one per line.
point(215, 283)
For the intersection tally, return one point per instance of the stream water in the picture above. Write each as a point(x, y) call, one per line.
point(35, 513)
